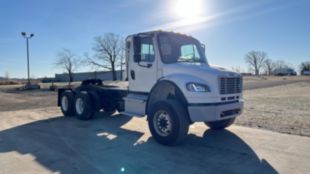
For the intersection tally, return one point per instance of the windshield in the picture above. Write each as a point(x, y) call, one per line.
point(179, 48)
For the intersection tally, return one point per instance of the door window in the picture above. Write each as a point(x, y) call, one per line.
point(147, 50)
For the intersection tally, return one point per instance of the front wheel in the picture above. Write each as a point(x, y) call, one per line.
point(168, 122)
point(222, 124)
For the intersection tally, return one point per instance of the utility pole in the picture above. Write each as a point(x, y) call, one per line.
point(24, 34)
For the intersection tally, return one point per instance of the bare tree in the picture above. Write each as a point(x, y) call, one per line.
point(280, 64)
point(255, 60)
point(67, 61)
point(304, 66)
point(108, 51)
point(269, 66)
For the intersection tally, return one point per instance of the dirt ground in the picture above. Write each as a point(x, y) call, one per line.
point(19, 100)
point(284, 109)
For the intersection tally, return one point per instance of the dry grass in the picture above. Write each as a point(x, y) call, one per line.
point(9, 82)
point(274, 78)
point(19, 100)
point(283, 109)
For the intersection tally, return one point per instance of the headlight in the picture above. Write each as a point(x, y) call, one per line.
point(197, 87)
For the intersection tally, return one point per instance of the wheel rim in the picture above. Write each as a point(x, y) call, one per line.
point(162, 123)
point(79, 106)
point(64, 103)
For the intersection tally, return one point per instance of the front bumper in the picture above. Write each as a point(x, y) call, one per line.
point(214, 111)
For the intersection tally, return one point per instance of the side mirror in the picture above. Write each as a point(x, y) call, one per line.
point(137, 48)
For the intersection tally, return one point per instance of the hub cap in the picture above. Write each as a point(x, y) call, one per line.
point(64, 103)
point(162, 123)
point(79, 106)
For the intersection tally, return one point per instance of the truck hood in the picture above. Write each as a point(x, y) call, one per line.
point(199, 70)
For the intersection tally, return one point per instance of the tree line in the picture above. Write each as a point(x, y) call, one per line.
point(258, 61)
point(108, 55)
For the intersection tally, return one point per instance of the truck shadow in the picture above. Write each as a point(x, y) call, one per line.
point(103, 145)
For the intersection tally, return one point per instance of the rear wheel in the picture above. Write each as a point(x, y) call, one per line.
point(168, 122)
point(222, 124)
point(83, 106)
point(67, 103)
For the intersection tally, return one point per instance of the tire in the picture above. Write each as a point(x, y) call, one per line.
point(222, 124)
point(163, 114)
point(83, 106)
point(67, 103)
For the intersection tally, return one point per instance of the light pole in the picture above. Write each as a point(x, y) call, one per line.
point(24, 34)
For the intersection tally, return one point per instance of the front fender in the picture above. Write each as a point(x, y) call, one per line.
point(194, 97)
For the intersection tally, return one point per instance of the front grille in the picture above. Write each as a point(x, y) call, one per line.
point(230, 85)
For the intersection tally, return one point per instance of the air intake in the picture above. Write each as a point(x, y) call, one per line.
point(230, 85)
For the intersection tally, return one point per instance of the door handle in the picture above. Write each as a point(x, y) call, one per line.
point(148, 65)
point(132, 74)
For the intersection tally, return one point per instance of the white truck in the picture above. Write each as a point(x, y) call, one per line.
point(168, 80)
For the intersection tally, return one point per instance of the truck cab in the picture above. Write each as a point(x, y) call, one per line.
point(171, 82)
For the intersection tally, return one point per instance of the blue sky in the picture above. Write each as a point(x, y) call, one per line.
point(229, 28)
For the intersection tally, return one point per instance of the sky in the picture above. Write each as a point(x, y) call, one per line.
point(229, 28)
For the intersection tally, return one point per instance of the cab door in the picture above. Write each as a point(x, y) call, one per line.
point(142, 74)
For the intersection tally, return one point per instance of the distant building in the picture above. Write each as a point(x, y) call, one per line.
point(286, 71)
point(103, 75)
point(306, 73)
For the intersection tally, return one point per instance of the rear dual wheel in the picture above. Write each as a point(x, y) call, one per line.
point(80, 105)
point(84, 106)
point(67, 103)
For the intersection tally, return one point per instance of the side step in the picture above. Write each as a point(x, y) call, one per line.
point(132, 114)
point(135, 105)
